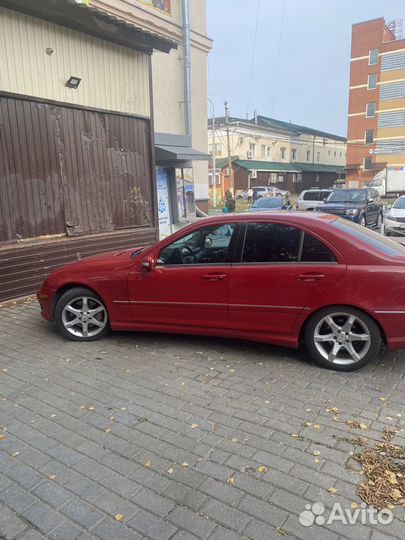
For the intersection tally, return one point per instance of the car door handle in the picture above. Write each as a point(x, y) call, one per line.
point(214, 277)
point(310, 277)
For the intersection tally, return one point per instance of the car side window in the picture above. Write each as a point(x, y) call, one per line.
point(271, 242)
point(208, 245)
point(313, 250)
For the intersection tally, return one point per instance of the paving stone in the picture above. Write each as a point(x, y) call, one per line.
point(82, 513)
point(16, 498)
point(149, 525)
point(192, 522)
point(225, 515)
point(43, 517)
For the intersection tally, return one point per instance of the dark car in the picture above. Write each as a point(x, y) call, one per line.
point(362, 206)
point(270, 203)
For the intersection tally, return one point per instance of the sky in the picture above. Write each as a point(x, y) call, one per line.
point(302, 77)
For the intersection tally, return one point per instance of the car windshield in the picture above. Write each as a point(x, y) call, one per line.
point(399, 204)
point(347, 195)
point(377, 241)
point(269, 202)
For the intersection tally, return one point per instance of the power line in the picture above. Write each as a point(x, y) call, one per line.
point(253, 56)
point(280, 37)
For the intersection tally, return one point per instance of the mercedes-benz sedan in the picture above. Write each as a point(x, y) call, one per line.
point(283, 278)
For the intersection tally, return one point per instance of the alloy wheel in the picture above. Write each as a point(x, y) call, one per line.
point(342, 338)
point(84, 317)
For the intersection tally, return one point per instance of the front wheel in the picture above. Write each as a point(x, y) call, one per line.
point(80, 315)
point(362, 221)
point(342, 338)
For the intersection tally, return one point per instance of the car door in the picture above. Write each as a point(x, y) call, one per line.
point(280, 271)
point(372, 207)
point(188, 286)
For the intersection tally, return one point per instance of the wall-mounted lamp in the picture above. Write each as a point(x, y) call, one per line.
point(73, 82)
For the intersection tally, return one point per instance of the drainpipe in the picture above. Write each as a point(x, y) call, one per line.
point(187, 67)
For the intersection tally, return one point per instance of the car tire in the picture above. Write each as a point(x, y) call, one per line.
point(327, 342)
point(387, 233)
point(80, 315)
point(363, 221)
point(310, 209)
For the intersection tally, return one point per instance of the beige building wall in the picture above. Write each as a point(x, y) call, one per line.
point(331, 152)
point(113, 77)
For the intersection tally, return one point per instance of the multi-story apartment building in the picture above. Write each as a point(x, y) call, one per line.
point(376, 120)
point(268, 151)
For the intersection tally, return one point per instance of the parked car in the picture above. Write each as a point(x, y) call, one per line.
point(270, 203)
point(264, 191)
point(394, 220)
point(281, 278)
point(310, 198)
point(362, 206)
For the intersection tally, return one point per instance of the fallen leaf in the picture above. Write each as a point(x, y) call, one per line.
point(185, 464)
point(15, 454)
point(53, 415)
point(316, 461)
point(91, 408)
point(107, 430)
point(267, 401)
point(396, 494)
point(118, 517)
point(363, 426)
point(231, 481)
point(193, 426)
point(382, 399)
point(147, 464)
point(354, 505)
point(123, 408)
point(317, 426)
point(170, 471)
point(52, 477)
point(2, 436)
point(307, 424)
point(308, 410)
point(235, 439)
point(283, 532)
point(262, 469)
point(332, 490)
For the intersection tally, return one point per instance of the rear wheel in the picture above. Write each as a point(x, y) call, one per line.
point(80, 315)
point(342, 338)
point(363, 221)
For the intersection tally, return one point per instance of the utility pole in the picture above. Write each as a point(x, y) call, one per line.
point(228, 142)
point(214, 168)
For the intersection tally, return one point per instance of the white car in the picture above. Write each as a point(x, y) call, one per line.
point(311, 198)
point(394, 220)
point(263, 191)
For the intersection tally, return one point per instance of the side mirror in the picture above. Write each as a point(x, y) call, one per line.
point(148, 264)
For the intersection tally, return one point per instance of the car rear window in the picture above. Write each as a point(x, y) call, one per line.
point(377, 241)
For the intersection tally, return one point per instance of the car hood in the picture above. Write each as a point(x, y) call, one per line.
point(396, 212)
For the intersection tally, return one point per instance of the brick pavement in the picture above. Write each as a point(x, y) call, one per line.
point(187, 438)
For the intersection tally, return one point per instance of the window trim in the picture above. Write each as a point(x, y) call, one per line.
point(368, 81)
point(375, 109)
point(365, 136)
point(369, 57)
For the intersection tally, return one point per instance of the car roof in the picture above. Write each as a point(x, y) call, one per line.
point(282, 215)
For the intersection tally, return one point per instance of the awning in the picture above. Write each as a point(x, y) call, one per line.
point(166, 153)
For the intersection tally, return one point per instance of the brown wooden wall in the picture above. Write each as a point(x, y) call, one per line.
point(66, 170)
point(23, 267)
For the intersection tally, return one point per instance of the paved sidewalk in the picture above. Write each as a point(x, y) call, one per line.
point(186, 438)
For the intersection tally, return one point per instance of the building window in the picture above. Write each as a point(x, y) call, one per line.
point(252, 149)
point(218, 149)
point(328, 152)
point(370, 111)
point(369, 136)
point(334, 153)
point(308, 155)
point(368, 163)
point(318, 157)
point(263, 151)
point(268, 152)
point(273, 178)
point(294, 153)
point(373, 57)
point(283, 152)
point(372, 81)
point(340, 154)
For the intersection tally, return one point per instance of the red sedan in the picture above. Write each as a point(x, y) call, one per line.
point(281, 278)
